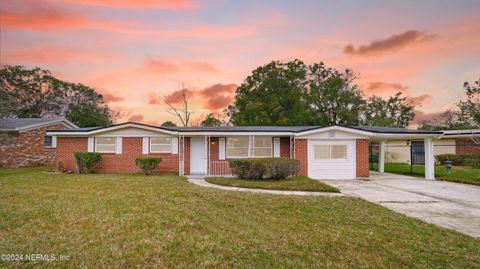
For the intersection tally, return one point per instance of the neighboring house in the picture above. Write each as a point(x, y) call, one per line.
point(452, 142)
point(23, 141)
point(324, 152)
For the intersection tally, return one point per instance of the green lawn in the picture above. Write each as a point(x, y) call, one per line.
point(127, 221)
point(462, 174)
point(290, 184)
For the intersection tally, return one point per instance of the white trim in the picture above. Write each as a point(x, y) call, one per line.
point(174, 141)
point(221, 148)
point(276, 147)
point(334, 128)
point(54, 142)
point(429, 159)
point(118, 145)
point(381, 157)
point(116, 127)
point(145, 145)
point(91, 144)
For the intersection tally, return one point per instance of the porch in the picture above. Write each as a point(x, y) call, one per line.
point(208, 155)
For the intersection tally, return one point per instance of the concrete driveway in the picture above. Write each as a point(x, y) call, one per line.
point(451, 205)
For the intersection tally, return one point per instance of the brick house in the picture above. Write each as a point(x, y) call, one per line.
point(332, 152)
point(23, 141)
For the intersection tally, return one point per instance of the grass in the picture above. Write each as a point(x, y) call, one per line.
point(461, 174)
point(126, 221)
point(291, 184)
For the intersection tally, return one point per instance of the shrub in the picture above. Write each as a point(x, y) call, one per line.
point(147, 164)
point(472, 160)
point(456, 159)
point(86, 161)
point(264, 168)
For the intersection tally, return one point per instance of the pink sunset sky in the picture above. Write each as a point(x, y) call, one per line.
point(137, 52)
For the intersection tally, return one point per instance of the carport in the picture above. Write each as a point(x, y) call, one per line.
point(384, 134)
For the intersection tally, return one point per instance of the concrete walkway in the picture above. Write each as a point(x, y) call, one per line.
point(451, 205)
point(201, 182)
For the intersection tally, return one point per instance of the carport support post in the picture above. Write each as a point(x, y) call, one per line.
point(429, 159)
point(381, 157)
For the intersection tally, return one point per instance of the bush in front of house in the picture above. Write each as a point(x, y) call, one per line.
point(147, 164)
point(86, 161)
point(264, 168)
point(472, 160)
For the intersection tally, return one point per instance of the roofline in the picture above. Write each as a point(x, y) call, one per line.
point(64, 121)
point(111, 128)
point(298, 133)
point(335, 128)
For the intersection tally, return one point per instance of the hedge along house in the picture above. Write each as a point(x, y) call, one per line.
point(332, 152)
point(23, 141)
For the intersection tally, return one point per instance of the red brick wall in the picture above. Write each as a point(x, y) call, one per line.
point(285, 147)
point(466, 147)
point(301, 149)
point(187, 156)
point(114, 163)
point(25, 149)
point(362, 158)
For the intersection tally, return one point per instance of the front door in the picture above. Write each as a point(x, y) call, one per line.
point(197, 156)
point(418, 152)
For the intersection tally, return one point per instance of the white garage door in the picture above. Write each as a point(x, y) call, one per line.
point(331, 159)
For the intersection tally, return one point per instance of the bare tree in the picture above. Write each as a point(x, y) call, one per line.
point(182, 113)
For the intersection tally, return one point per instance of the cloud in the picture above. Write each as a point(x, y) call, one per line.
point(159, 65)
point(176, 97)
point(154, 100)
point(34, 15)
point(39, 16)
point(54, 55)
point(380, 87)
point(158, 4)
point(109, 98)
point(162, 65)
point(136, 118)
point(201, 66)
point(218, 96)
point(421, 116)
point(214, 97)
point(389, 44)
point(419, 100)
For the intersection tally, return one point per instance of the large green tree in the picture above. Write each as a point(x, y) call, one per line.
point(35, 93)
point(274, 94)
point(211, 121)
point(333, 96)
point(395, 111)
point(294, 93)
point(470, 107)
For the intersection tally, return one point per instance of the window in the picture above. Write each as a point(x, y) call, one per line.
point(322, 152)
point(339, 152)
point(249, 146)
point(262, 146)
point(105, 144)
point(48, 141)
point(330, 152)
point(160, 145)
point(237, 147)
